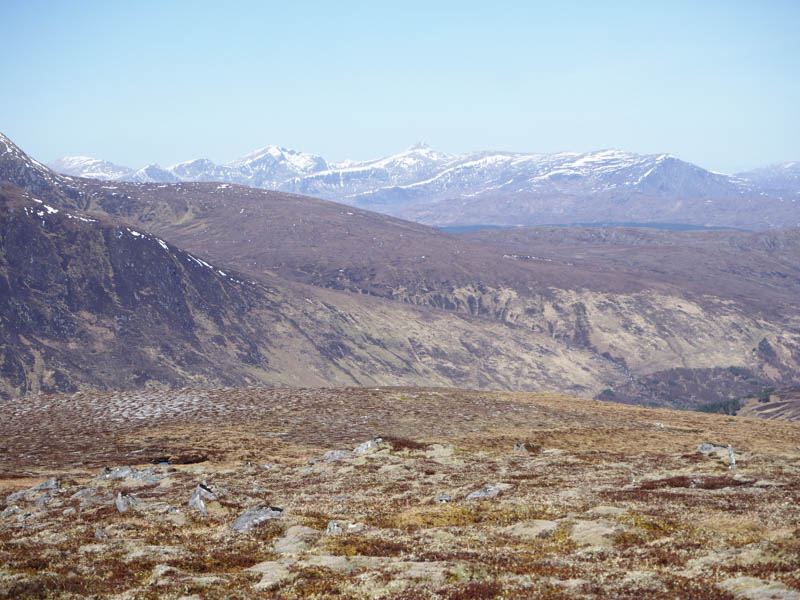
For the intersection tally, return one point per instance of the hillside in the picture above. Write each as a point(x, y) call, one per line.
point(474, 312)
point(106, 306)
point(465, 495)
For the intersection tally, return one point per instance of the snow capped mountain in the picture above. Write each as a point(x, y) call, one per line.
point(272, 166)
point(490, 187)
point(152, 174)
point(783, 178)
point(86, 166)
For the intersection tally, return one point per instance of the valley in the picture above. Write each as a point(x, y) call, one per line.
point(330, 294)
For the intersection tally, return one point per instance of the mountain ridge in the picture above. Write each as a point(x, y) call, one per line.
point(394, 301)
point(506, 188)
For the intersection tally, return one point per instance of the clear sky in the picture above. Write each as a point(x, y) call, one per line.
point(716, 83)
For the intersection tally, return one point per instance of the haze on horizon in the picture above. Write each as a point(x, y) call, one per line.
point(715, 84)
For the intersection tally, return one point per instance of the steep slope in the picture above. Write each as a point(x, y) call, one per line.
point(592, 325)
point(90, 303)
point(507, 188)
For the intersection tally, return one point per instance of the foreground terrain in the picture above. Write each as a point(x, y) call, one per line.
point(575, 498)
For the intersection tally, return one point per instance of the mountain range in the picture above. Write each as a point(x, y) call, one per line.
point(501, 188)
point(150, 285)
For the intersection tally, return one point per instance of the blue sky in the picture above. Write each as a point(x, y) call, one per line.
point(135, 82)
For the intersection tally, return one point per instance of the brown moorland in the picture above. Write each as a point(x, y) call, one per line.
point(602, 501)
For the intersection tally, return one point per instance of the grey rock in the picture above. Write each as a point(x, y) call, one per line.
point(255, 515)
point(520, 447)
point(89, 500)
point(442, 498)
point(100, 534)
point(16, 496)
point(707, 448)
point(331, 456)
point(295, 540)
point(83, 493)
point(333, 528)
point(51, 484)
point(201, 494)
point(367, 446)
point(119, 473)
point(485, 492)
point(43, 500)
point(9, 511)
point(69, 511)
point(147, 476)
point(125, 502)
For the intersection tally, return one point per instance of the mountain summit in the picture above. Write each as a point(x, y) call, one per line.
point(502, 188)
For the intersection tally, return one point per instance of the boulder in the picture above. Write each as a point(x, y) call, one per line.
point(485, 492)
point(255, 515)
point(333, 528)
point(296, 539)
point(367, 447)
point(707, 448)
point(331, 456)
point(125, 502)
point(201, 494)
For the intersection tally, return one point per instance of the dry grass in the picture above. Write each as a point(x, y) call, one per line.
point(685, 526)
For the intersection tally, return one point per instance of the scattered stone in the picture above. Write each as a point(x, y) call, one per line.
point(198, 500)
point(598, 534)
point(16, 496)
point(485, 492)
point(538, 528)
point(255, 515)
point(607, 511)
point(732, 458)
point(520, 447)
point(51, 484)
point(89, 500)
point(707, 448)
point(442, 498)
point(118, 473)
point(331, 456)
point(100, 534)
point(9, 511)
point(83, 493)
point(753, 588)
point(147, 476)
point(69, 511)
point(660, 425)
point(125, 502)
point(43, 500)
point(368, 446)
point(296, 539)
point(333, 528)
point(273, 573)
